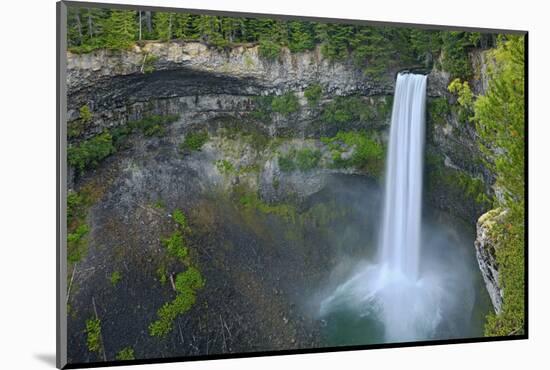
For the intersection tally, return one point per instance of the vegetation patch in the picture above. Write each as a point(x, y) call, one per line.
point(77, 228)
point(269, 49)
point(194, 141)
point(115, 278)
point(285, 104)
point(149, 63)
point(439, 110)
point(89, 153)
point(187, 283)
point(93, 334)
point(465, 100)
point(224, 166)
point(456, 183)
point(367, 153)
point(162, 274)
point(347, 109)
point(153, 125)
point(125, 354)
point(313, 95)
point(303, 159)
point(500, 118)
point(250, 201)
point(175, 245)
point(371, 48)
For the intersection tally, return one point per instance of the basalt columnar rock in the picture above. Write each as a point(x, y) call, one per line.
point(486, 244)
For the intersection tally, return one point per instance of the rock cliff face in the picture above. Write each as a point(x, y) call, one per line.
point(485, 251)
point(204, 84)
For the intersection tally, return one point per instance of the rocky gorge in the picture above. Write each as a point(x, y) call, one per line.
point(251, 152)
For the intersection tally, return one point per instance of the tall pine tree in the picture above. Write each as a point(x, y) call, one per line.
point(120, 29)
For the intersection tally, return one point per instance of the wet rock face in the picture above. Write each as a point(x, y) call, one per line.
point(486, 245)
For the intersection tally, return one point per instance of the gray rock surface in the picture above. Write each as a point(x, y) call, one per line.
point(486, 245)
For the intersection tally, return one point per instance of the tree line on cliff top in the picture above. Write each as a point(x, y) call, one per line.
point(373, 48)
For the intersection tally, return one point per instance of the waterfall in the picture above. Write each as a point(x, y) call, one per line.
point(393, 290)
point(400, 232)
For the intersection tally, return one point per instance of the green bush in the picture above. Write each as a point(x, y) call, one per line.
point(287, 163)
point(269, 49)
point(77, 243)
point(304, 160)
point(454, 50)
point(77, 229)
point(115, 278)
point(180, 219)
point(224, 166)
point(194, 141)
point(307, 159)
point(251, 201)
point(85, 114)
point(176, 245)
point(347, 109)
point(313, 94)
point(125, 354)
point(153, 125)
point(187, 283)
point(90, 152)
point(367, 154)
point(149, 63)
point(285, 104)
point(93, 334)
point(438, 110)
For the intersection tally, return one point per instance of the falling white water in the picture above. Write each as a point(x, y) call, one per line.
point(400, 233)
point(408, 303)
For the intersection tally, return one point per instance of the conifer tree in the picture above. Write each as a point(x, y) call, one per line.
point(120, 29)
point(163, 25)
point(301, 36)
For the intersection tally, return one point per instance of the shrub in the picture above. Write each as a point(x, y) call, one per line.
point(187, 283)
point(224, 166)
point(465, 99)
point(269, 49)
point(285, 104)
point(180, 219)
point(286, 162)
point(77, 229)
point(90, 152)
point(93, 334)
point(115, 278)
point(347, 109)
point(176, 245)
point(304, 160)
point(454, 57)
point(153, 125)
point(194, 141)
point(85, 114)
point(161, 274)
point(77, 243)
point(125, 354)
point(438, 109)
point(313, 94)
point(251, 201)
point(149, 63)
point(367, 153)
